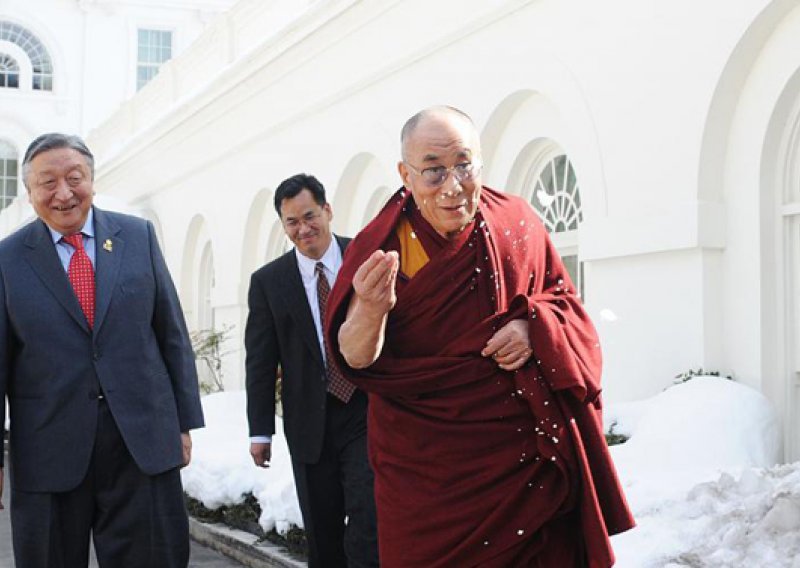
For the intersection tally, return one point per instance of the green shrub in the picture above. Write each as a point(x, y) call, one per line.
point(613, 438)
point(681, 378)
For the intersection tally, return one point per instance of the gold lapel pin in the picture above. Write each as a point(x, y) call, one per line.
point(108, 245)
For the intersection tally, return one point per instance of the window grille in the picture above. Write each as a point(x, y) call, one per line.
point(155, 48)
point(9, 72)
point(9, 166)
point(41, 63)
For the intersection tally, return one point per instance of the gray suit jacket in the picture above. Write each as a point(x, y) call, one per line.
point(51, 363)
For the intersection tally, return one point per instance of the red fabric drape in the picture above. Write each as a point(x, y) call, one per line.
point(476, 466)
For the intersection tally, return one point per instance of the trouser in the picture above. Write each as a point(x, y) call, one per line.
point(336, 493)
point(135, 520)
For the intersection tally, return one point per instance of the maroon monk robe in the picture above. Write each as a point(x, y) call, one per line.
point(476, 466)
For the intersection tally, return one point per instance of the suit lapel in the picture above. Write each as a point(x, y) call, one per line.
point(43, 258)
point(109, 248)
point(294, 293)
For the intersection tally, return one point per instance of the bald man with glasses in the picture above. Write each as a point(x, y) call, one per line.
point(455, 313)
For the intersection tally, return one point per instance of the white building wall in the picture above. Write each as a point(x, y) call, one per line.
point(93, 47)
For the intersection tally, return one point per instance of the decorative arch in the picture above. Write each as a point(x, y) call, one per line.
point(36, 54)
point(379, 198)
point(277, 243)
point(260, 218)
point(747, 161)
point(152, 216)
point(197, 278)
point(523, 130)
point(723, 105)
point(780, 234)
point(362, 175)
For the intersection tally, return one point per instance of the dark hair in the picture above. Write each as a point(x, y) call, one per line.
point(290, 187)
point(54, 141)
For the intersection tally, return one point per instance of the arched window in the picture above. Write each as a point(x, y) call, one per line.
point(41, 63)
point(205, 311)
point(551, 186)
point(8, 173)
point(556, 196)
point(9, 72)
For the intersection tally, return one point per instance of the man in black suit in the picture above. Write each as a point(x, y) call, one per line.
point(99, 374)
point(324, 415)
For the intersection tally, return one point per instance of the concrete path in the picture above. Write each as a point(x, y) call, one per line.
point(201, 556)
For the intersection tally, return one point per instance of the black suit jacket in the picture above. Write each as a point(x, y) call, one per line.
point(280, 331)
point(51, 363)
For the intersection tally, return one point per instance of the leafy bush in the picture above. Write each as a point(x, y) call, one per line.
point(681, 378)
point(207, 347)
point(613, 438)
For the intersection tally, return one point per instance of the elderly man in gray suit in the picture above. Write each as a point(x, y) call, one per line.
point(97, 367)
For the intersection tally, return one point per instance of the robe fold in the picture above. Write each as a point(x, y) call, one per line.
point(474, 465)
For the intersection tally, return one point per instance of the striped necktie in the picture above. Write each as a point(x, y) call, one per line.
point(338, 386)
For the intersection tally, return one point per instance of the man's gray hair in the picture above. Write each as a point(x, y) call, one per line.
point(54, 141)
point(411, 124)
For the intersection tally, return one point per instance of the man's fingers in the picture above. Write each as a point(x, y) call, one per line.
point(378, 270)
point(260, 460)
point(186, 443)
point(261, 453)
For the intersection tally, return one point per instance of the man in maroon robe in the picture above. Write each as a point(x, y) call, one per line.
point(455, 313)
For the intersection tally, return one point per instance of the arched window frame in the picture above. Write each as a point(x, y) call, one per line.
point(550, 176)
point(41, 64)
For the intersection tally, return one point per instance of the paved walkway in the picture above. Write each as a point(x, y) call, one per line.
point(201, 557)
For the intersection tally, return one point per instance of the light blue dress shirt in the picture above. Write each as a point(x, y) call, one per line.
point(66, 251)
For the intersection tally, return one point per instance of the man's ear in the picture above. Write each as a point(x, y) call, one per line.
point(404, 172)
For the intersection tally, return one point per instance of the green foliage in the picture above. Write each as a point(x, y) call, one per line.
point(691, 373)
point(207, 346)
point(614, 438)
point(244, 516)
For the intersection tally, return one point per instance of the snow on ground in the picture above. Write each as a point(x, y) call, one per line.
point(222, 471)
point(698, 471)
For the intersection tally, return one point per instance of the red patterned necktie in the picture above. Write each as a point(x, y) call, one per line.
point(81, 276)
point(338, 386)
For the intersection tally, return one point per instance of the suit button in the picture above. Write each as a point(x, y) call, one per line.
point(95, 356)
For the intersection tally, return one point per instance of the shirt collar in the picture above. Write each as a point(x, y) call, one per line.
point(87, 229)
point(308, 265)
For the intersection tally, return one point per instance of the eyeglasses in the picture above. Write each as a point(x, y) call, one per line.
point(437, 175)
point(307, 219)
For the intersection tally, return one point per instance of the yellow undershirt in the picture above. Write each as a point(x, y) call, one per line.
point(412, 255)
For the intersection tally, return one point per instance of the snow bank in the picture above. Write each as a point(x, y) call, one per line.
point(682, 440)
point(698, 471)
point(222, 471)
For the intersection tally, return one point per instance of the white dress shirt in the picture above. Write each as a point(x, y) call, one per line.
point(332, 260)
